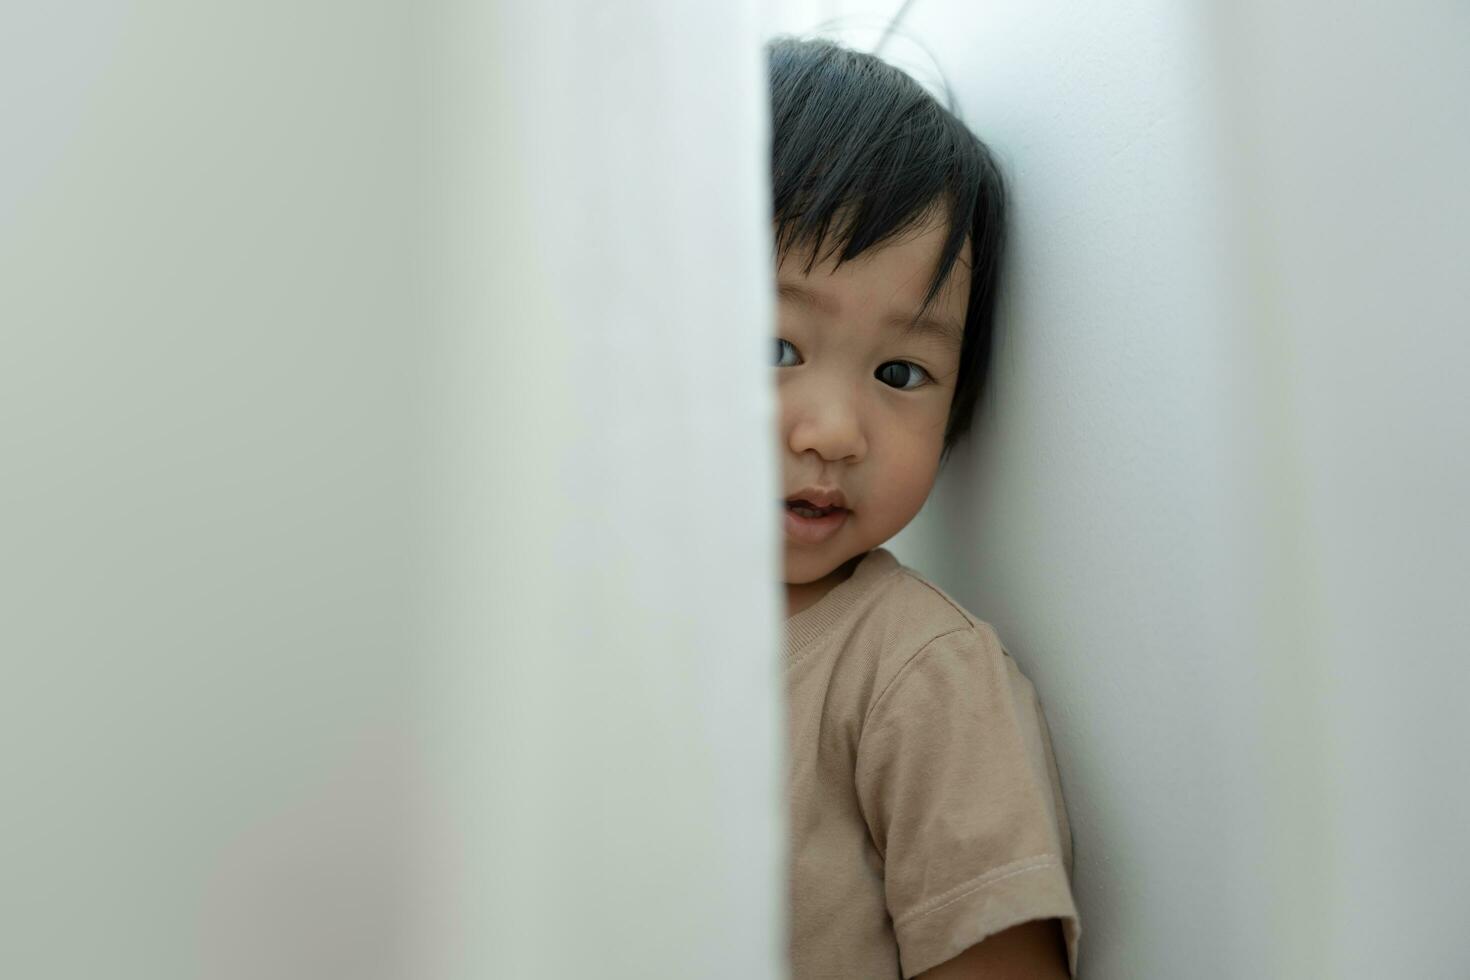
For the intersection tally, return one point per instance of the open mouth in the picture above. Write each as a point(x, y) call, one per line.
point(812, 521)
point(805, 508)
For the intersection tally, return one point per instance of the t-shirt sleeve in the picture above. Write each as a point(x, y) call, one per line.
point(957, 784)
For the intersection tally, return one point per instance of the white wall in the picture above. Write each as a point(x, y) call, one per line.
point(377, 596)
point(1215, 504)
point(607, 778)
point(209, 221)
point(327, 339)
point(1355, 163)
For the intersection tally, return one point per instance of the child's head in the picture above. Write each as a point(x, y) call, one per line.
point(888, 215)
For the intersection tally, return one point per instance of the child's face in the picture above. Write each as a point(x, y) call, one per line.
point(863, 401)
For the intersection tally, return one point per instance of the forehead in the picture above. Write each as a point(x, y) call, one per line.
point(888, 282)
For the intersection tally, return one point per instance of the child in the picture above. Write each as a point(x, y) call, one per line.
point(928, 832)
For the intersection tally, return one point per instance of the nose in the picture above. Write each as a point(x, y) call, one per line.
point(825, 420)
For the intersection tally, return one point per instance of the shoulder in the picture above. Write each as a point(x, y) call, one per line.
point(905, 600)
point(911, 619)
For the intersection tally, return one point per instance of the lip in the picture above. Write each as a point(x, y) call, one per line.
point(814, 530)
point(820, 497)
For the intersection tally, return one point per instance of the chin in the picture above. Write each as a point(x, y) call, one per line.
point(806, 569)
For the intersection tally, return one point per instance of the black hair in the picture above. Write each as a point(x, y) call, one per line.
point(858, 142)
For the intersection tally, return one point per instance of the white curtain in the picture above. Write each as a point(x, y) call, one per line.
point(386, 565)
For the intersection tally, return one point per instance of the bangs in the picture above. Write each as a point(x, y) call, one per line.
point(862, 155)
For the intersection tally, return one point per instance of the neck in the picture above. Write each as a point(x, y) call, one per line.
point(804, 595)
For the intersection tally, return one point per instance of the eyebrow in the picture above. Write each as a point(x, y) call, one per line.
point(945, 331)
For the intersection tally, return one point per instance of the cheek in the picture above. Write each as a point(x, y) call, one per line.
point(911, 490)
point(910, 467)
point(784, 401)
point(788, 389)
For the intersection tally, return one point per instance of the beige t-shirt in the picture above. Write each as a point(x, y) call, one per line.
point(926, 812)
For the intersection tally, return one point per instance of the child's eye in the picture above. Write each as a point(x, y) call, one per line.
point(902, 374)
point(786, 355)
